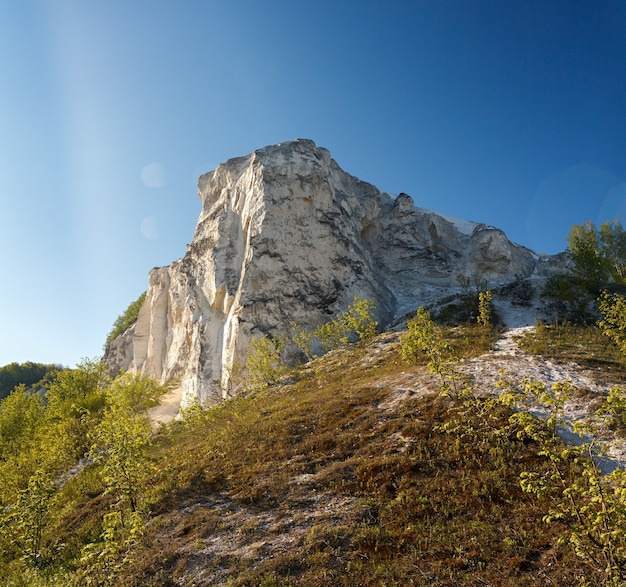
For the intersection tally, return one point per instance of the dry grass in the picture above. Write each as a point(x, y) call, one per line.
point(585, 345)
point(340, 476)
point(332, 480)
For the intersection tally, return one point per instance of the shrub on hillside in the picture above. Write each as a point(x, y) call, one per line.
point(613, 307)
point(124, 321)
point(264, 365)
point(356, 323)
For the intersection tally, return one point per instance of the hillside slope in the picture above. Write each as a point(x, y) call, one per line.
point(357, 472)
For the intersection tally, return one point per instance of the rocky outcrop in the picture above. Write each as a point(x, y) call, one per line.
point(284, 236)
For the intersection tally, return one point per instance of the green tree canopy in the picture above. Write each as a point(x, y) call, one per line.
point(124, 321)
point(28, 374)
point(599, 255)
point(613, 241)
point(613, 308)
point(74, 389)
point(20, 414)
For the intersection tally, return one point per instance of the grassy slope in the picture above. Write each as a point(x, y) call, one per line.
point(341, 476)
point(586, 346)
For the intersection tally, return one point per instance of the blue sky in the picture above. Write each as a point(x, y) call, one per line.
point(505, 112)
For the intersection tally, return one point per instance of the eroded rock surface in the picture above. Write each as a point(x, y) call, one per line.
point(284, 236)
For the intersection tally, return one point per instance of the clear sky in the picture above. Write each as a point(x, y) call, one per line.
point(511, 113)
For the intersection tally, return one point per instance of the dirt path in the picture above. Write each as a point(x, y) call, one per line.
point(168, 409)
point(516, 366)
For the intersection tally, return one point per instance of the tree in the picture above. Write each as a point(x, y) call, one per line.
point(24, 522)
point(598, 255)
point(423, 338)
point(20, 414)
point(82, 387)
point(613, 240)
point(103, 561)
point(125, 320)
point(28, 373)
point(566, 298)
point(264, 365)
point(599, 259)
point(76, 400)
point(356, 323)
point(485, 308)
point(135, 392)
point(613, 307)
point(121, 446)
point(592, 503)
point(589, 265)
point(121, 442)
point(465, 307)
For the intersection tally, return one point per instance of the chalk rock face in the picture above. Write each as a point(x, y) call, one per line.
point(284, 236)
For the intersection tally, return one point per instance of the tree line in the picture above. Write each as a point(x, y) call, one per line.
point(27, 374)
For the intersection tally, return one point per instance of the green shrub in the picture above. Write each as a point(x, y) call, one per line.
point(264, 365)
point(124, 321)
point(462, 306)
point(485, 309)
point(613, 306)
point(24, 524)
point(423, 339)
point(598, 254)
point(20, 415)
point(614, 409)
point(123, 437)
point(565, 298)
point(591, 503)
point(356, 323)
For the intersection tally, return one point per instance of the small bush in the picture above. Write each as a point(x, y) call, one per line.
point(264, 364)
point(592, 503)
point(614, 409)
point(613, 307)
point(485, 309)
point(423, 338)
point(356, 323)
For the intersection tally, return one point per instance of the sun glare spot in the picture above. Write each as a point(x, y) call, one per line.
point(149, 228)
point(152, 175)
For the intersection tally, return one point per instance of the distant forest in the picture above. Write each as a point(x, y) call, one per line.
point(28, 374)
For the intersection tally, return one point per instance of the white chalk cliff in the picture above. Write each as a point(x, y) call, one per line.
point(285, 235)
